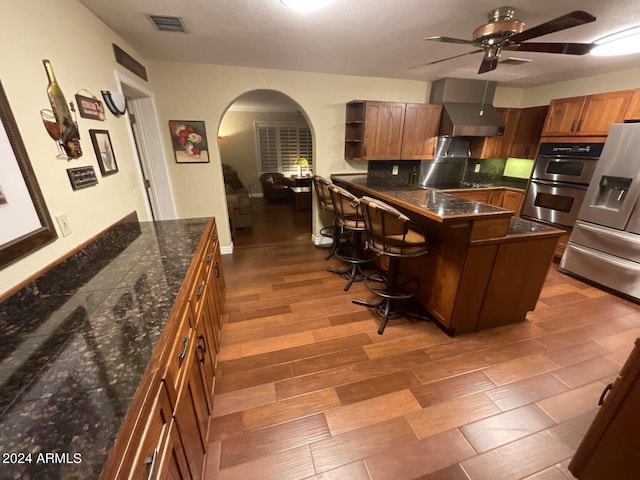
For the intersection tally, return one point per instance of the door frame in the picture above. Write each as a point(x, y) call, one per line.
point(150, 145)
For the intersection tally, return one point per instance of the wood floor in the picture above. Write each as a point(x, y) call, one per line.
point(306, 388)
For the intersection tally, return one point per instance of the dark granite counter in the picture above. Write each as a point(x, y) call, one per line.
point(75, 343)
point(429, 202)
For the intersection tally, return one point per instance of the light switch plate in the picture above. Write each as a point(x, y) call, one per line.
point(476, 168)
point(394, 170)
point(63, 223)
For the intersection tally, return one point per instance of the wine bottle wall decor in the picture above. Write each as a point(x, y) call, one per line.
point(69, 134)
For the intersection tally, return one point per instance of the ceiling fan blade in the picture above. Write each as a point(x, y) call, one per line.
point(450, 40)
point(488, 64)
point(569, 20)
point(565, 48)
point(444, 59)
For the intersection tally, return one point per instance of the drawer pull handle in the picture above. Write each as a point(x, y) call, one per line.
point(209, 257)
point(200, 290)
point(604, 393)
point(214, 237)
point(216, 267)
point(184, 349)
point(151, 460)
point(202, 347)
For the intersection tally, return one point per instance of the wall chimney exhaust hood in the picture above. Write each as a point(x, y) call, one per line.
point(467, 109)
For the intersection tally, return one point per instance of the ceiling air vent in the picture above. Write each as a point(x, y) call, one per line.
point(165, 23)
point(515, 61)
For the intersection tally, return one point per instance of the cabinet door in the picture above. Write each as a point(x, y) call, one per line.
point(563, 116)
point(173, 464)
point(527, 133)
point(383, 125)
point(157, 449)
point(420, 133)
point(205, 351)
point(609, 449)
point(633, 110)
point(496, 197)
point(191, 414)
point(601, 111)
point(512, 201)
point(497, 147)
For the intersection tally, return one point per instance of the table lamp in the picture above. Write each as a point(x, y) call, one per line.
point(301, 162)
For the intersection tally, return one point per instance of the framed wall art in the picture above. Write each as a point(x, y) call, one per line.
point(104, 151)
point(25, 220)
point(189, 141)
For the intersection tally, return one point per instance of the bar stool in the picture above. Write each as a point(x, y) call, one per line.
point(350, 221)
point(321, 187)
point(392, 236)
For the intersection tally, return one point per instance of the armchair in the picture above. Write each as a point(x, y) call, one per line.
point(275, 186)
point(238, 201)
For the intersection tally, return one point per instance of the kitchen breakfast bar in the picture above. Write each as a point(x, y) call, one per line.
point(485, 267)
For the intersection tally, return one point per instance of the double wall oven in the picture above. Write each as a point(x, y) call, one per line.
point(559, 182)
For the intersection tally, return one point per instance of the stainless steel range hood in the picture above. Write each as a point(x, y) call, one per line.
point(467, 107)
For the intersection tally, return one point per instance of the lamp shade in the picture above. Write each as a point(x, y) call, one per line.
point(302, 162)
point(115, 101)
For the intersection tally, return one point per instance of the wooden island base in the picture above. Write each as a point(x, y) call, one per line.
point(484, 269)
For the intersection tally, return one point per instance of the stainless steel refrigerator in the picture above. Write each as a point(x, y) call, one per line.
point(605, 243)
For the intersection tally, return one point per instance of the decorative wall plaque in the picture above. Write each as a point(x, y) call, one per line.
point(130, 63)
point(82, 177)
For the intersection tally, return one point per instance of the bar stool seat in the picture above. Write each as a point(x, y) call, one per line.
point(321, 187)
point(392, 236)
point(349, 220)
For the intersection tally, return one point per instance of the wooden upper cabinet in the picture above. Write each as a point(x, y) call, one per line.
point(527, 135)
point(601, 111)
point(390, 130)
point(633, 110)
point(590, 115)
point(420, 135)
point(497, 147)
point(563, 116)
point(383, 126)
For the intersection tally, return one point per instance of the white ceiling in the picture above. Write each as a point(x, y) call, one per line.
point(379, 38)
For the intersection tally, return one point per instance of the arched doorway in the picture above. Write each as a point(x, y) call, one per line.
point(265, 131)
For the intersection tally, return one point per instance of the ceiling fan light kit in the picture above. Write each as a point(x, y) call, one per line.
point(504, 32)
point(621, 43)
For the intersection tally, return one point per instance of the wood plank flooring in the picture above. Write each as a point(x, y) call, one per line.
point(307, 389)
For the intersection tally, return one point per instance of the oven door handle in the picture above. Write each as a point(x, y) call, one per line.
point(559, 184)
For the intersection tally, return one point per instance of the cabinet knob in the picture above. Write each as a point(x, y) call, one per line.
point(209, 257)
point(216, 267)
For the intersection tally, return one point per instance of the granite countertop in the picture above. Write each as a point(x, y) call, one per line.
point(75, 343)
point(429, 202)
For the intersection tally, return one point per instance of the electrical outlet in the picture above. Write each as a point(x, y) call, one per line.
point(63, 223)
point(394, 170)
point(476, 168)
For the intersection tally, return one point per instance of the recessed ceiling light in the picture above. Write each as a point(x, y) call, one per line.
point(621, 43)
point(305, 5)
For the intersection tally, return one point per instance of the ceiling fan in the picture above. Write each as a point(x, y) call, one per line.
point(504, 32)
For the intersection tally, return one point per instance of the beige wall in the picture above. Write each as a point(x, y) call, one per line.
point(79, 47)
point(237, 141)
point(213, 88)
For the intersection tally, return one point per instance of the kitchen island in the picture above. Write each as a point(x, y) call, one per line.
point(82, 348)
point(485, 268)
